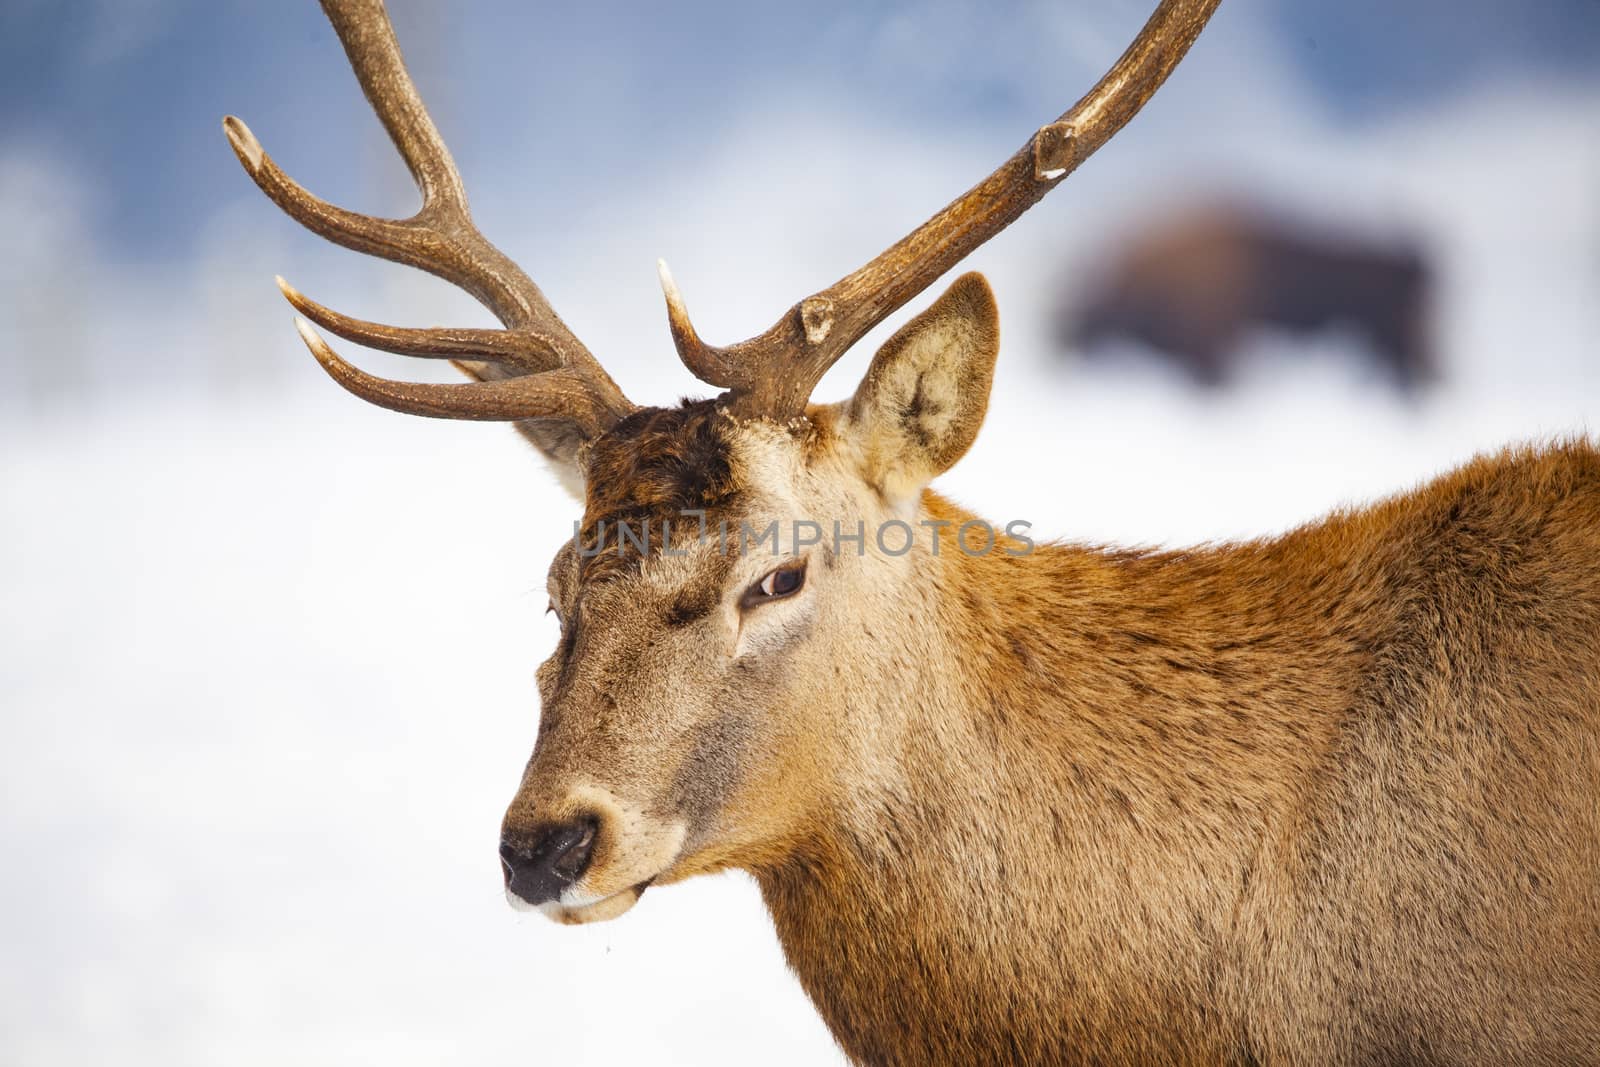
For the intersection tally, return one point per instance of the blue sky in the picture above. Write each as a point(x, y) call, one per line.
point(129, 91)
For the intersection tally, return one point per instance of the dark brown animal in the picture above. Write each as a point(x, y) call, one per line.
point(1332, 798)
point(1193, 286)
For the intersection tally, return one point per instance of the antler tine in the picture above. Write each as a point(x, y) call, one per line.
point(441, 239)
point(773, 373)
point(439, 342)
point(706, 362)
point(557, 394)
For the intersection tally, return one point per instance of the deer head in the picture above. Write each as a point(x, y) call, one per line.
point(728, 661)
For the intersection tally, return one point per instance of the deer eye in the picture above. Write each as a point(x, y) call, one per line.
point(782, 582)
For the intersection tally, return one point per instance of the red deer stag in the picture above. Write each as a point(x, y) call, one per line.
point(1193, 284)
point(1328, 798)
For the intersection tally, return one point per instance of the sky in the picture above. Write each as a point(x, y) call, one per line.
point(127, 91)
point(268, 673)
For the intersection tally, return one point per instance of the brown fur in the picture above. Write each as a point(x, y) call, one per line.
point(1330, 798)
point(647, 472)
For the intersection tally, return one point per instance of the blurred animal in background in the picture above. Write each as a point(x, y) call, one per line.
point(1193, 285)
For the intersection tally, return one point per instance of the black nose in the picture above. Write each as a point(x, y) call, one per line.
point(539, 864)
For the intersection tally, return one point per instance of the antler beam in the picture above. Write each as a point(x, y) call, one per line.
point(773, 373)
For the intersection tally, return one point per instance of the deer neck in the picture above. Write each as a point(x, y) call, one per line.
point(1049, 850)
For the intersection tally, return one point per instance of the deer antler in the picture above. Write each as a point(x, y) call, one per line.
point(773, 373)
point(536, 368)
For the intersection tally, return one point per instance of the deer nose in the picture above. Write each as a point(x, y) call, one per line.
point(539, 865)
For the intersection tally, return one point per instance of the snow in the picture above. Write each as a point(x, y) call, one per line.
point(269, 690)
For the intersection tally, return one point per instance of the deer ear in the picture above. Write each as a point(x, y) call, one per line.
point(919, 408)
point(557, 440)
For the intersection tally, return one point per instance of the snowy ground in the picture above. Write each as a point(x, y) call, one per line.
point(267, 679)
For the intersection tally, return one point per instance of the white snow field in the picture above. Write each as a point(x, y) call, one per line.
point(266, 679)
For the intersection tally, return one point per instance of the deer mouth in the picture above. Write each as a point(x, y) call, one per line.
point(582, 911)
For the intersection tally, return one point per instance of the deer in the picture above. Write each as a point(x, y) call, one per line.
point(1328, 797)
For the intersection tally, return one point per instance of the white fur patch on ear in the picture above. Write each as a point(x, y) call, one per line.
point(920, 406)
